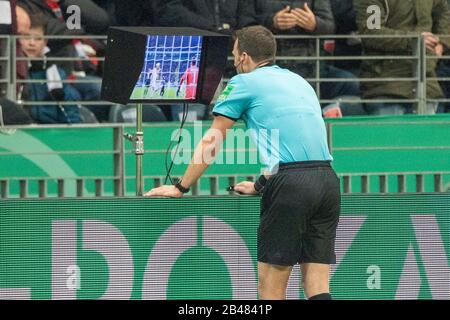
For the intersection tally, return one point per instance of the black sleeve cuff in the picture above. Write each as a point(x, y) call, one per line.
point(260, 183)
point(222, 115)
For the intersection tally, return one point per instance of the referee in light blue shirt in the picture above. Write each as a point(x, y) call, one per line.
point(277, 100)
point(300, 203)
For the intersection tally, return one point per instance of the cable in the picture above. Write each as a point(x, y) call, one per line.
point(169, 168)
point(2, 124)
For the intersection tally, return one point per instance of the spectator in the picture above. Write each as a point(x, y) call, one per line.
point(214, 15)
point(56, 13)
point(345, 17)
point(110, 8)
point(136, 12)
point(93, 18)
point(17, 21)
point(34, 46)
point(300, 17)
point(398, 17)
point(443, 71)
point(13, 20)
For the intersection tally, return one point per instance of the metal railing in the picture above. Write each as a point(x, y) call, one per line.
point(418, 75)
point(213, 189)
point(213, 181)
point(5, 62)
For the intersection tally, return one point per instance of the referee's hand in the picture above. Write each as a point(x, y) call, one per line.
point(245, 187)
point(164, 191)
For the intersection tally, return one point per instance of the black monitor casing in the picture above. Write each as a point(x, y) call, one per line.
point(125, 56)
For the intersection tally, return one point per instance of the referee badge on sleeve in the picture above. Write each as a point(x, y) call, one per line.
point(226, 92)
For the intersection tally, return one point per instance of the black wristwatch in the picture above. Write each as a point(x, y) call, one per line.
point(181, 188)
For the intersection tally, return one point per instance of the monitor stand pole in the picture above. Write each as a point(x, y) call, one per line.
point(139, 151)
point(138, 140)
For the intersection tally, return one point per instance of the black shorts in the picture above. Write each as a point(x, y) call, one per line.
point(299, 215)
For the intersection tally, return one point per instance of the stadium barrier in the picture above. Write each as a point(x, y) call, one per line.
point(5, 63)
point(387, 247)
point(371, 155)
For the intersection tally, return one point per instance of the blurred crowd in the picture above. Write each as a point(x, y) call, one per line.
point(340, 87)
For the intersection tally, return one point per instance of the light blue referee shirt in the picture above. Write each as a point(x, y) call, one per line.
point(282, 113)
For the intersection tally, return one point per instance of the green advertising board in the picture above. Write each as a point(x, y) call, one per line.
point(388, 247)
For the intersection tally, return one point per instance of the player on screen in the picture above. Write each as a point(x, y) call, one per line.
point(154, 80)
point(146, 82)
point(191, 78)
point(163, 87)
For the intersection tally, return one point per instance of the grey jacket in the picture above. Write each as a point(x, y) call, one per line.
point(400, 17)
point(266, 10)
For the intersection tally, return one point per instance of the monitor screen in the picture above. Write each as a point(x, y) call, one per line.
point(171, 68)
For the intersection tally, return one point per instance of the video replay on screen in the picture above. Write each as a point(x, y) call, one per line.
point(171, 68)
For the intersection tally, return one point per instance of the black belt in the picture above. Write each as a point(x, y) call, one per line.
point(305, 164)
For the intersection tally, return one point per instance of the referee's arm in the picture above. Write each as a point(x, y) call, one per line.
point(206, 150)
point(204, 154)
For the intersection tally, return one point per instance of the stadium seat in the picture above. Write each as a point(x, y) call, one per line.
point(87, 116)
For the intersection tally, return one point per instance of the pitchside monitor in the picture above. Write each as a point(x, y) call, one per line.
point(171, 69)
point(163, 65)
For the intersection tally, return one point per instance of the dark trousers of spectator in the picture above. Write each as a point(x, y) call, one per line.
point(91, 92)
point(330, 90)
point(443, 71)
point(348, 90)
point(12, 113)
point(393, 109)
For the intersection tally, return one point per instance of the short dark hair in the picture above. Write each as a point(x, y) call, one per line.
point(258, 42)
point(38, 20)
